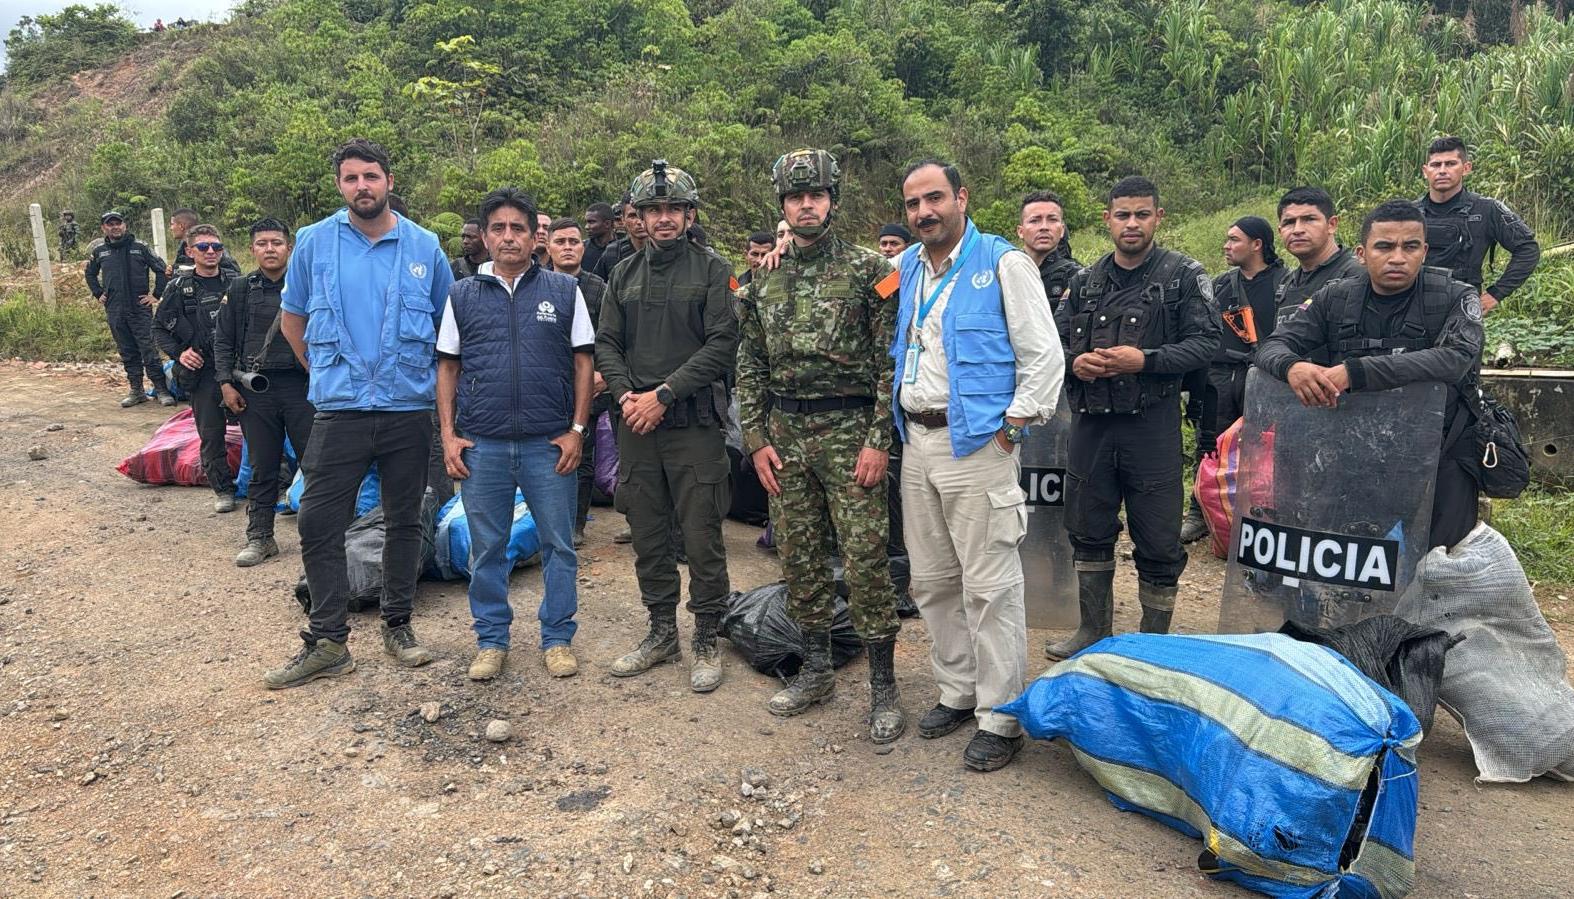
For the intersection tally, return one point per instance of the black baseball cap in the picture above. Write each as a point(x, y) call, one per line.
point(110, 216)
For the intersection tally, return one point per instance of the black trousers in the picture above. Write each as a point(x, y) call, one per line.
point(131, 324)
point(1455, 501)
point(1135, 459)
point(203, 389)
point(267, 419)
point(341, 450)
point(587, 477)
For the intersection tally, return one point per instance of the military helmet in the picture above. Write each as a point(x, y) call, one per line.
point(663, 183)
point(806, 169)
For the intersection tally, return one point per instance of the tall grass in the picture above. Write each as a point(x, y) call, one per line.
point(74, 332)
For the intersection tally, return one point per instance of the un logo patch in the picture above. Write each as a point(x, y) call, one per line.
point(418, 269)
point(983, 280)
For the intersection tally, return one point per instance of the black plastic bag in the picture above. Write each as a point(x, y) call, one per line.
point(901, 578)
point(1405, 659)
point(363, 555)
point(757, 623)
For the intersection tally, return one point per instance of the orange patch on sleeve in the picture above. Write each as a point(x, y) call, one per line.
point(888, 285)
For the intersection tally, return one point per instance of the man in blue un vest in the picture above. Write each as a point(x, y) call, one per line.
point(362, 301)
point(519, 338)
point(977, 362)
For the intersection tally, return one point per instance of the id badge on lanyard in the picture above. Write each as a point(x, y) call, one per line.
point(915, 351)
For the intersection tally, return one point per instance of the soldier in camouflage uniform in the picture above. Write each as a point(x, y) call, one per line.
point(814, 387)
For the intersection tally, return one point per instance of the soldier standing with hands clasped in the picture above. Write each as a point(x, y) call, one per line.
point(814, 393)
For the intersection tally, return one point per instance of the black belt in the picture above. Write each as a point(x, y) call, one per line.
point(927, 419)
point(795, 406)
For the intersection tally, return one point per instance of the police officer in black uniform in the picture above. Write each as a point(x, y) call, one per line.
point(1041, 226)
point(181, 221)
point(1307, 226)
point(1462, 227)
point(246, 341)
point(1133, 323)
point(1245, 297)
point(183, 326)
point(1396, 323)
point(118, 274)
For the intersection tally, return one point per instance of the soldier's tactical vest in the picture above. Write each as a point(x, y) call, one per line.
point(1132, 317)
point(1423, 320)
point(257, 352)
point(199, 306)
point(1451, 233)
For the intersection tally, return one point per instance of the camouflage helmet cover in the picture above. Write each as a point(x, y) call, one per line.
point(806, 169)
point(663, 183)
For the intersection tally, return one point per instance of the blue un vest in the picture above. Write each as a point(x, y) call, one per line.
point(404, 376)
point(517, 377)
point(980, 362)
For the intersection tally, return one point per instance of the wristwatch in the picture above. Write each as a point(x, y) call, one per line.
point(578, 428)
point(664, 395)
point(1014, 433)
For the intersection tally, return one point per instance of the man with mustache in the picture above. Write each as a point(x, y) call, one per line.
point(814, 398)
point(1394, 323)
point(246, 337)
point(1461, 226)
point(362, 301)
point(977, 363)
point(667, 338)
point(1134, 323)
point(119, 272)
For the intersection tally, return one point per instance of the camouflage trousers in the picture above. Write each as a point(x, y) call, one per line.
point(820, 506)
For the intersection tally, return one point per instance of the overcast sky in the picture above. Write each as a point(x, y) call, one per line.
point(143, 12)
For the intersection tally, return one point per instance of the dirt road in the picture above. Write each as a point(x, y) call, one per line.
point(140, 757)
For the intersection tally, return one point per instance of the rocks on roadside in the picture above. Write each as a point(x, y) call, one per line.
point(498, 731)
point(37, 453)
point(431, 711)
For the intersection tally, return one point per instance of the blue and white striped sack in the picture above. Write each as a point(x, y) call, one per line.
point(1296, 770)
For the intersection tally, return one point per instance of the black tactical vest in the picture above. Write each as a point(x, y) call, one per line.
point(1451, 233)
point(1423, 320)
point(199, 306)
point(1135, 317)
point(261, 301)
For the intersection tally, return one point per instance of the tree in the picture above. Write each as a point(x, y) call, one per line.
point(76, 38)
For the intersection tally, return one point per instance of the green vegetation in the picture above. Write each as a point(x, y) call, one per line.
point(1540, 527)
point(78, 37)
point(74, 332)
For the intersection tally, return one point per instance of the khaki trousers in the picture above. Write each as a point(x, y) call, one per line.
point(963, 519)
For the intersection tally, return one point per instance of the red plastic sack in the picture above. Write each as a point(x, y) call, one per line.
point(1218, 485)
point(174, 455)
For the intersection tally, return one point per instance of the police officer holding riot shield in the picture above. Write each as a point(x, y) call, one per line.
point(1397, 324)
point(1133, 323)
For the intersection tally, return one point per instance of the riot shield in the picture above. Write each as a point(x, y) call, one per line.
point(1333, 506)
point(1050, 583)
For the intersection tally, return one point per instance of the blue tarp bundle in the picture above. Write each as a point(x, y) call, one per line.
point(1296, 770)
point(368, 499)
point(453, 538)
point(175, 390)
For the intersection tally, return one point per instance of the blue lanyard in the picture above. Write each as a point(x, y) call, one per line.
point(961, 260)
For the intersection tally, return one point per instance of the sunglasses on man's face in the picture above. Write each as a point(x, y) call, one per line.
point(208, 247)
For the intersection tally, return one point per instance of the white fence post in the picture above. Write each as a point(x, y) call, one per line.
point(46, 274)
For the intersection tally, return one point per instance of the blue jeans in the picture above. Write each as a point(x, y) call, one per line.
point(497, 467)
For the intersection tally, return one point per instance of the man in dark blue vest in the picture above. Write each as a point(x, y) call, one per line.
point(519, 339)
point(977, 363)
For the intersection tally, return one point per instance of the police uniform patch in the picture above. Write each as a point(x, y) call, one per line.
point(1471, 305)
point(1205, 286)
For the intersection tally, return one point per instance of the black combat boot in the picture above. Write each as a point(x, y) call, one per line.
point(816, 680)
point(887, 721)
point(705, 669)
point(1158, 604)
point(1096, 599)
point(658, 646)
point(1194, 526)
